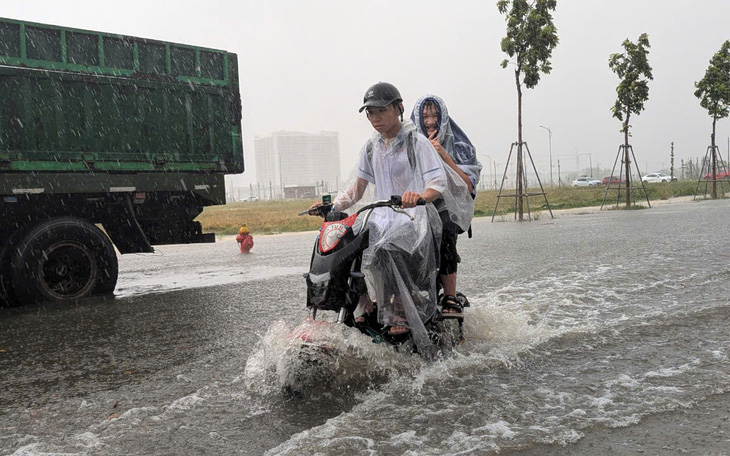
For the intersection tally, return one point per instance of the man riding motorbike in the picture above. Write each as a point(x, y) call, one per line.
point(401, 263)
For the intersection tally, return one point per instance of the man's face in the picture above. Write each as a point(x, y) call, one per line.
point(430, 119)
point(384, 120)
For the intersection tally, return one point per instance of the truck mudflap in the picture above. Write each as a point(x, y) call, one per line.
point(125, 231)
point(203, 238)
point(163, 232)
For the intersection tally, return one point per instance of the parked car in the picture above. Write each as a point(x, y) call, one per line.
point(658, 177)
point(720, 175)
point(586, 182)
point(613, 180)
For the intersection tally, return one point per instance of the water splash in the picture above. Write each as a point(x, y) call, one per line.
point(320, 356)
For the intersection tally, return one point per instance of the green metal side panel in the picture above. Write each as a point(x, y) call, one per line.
point(79, 101)
point(61, 48)
point(210, 187)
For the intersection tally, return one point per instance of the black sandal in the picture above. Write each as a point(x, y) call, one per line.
point(452, 303)
point(368, 320)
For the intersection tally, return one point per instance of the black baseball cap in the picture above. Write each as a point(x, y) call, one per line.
point(380, 95)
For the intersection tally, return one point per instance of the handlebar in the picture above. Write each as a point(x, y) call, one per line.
point(321, 210)
point(395, 202)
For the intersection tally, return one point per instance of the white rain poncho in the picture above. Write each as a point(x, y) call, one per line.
point(451, 137)
point(401, 262)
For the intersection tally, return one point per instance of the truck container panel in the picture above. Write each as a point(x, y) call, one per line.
point(76, 101)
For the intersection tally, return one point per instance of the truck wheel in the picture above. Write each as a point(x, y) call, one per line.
point(63, 259)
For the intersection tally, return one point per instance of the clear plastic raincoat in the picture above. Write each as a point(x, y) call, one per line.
point(401, 262)
point(451, 137)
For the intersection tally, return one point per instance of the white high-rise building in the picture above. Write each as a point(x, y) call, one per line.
point(288, 159)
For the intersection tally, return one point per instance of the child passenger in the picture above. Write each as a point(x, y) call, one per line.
point(431, 118)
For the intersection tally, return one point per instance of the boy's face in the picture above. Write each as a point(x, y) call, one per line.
point(430, 119)
point(384, 120)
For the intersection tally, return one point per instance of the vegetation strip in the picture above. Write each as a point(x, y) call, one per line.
point(280, 216)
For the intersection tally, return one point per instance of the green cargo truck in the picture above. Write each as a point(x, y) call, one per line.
point(97, 129)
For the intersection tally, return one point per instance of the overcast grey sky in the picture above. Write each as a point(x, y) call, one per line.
point(305, 65)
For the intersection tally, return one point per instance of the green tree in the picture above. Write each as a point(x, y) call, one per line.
point(714, 93)
point(531, 38)
point(632, 68)
point(671, 161)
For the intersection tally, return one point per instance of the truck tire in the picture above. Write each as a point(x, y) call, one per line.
point(63, 259)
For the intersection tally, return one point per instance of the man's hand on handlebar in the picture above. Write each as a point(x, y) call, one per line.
point(411, 199)
point(313, 209)
point(318, 209)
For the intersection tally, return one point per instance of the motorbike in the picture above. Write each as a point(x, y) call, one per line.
point(335, 282)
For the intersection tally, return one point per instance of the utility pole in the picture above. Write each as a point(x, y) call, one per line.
point(489, 173)
point(550, 146)
point(590, 164)
point(559, 182)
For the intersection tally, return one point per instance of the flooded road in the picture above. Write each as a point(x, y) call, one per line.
point(587, 335)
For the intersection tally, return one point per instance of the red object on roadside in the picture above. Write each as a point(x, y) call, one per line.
point(245, 242)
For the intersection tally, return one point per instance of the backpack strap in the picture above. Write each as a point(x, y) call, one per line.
point(410, 150)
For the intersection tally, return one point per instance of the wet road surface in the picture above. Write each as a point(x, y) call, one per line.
point(579, 326)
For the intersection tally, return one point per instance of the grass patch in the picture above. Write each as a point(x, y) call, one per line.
point(262, 217)
point(570, 197)
point(267, 217)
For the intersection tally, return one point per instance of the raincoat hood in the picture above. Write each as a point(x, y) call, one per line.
point(451, 137)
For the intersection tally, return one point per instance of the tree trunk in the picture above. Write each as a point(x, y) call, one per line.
point(627, 161)
point(714, 162)
point(518, 187)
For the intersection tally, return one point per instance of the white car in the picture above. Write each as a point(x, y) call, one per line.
point(586, 182)
point(657, 177)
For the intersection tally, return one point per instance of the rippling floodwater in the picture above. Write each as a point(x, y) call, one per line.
point(579, 324)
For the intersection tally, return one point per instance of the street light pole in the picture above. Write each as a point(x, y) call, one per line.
point(550, 145)
point(494, 169)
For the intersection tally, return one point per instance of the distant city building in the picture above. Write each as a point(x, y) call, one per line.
point(287, 160)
